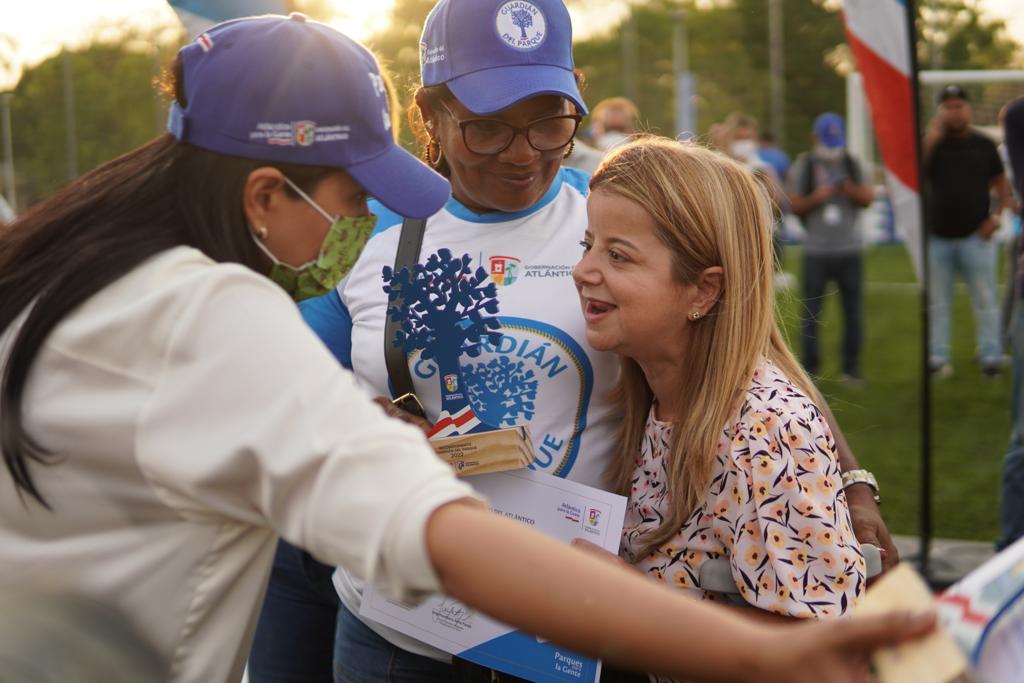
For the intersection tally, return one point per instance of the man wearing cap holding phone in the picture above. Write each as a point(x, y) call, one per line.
point(826, 189)
point(962, 170)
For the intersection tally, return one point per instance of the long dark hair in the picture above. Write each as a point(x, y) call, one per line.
point(65, 249)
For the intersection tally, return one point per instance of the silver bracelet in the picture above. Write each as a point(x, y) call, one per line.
point(862, 477)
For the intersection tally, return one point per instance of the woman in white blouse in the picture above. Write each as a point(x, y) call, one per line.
point(166, 414)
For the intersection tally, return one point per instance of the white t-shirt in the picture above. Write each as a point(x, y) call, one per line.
point(535, 369)
point(194, 418)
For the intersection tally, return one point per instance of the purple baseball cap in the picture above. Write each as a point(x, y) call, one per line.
point(830, 129)
point(295, 91)
point(494, 53)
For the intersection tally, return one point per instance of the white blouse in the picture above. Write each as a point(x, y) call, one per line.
point(194, 418)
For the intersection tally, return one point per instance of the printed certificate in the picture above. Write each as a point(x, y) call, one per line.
point(554, 506)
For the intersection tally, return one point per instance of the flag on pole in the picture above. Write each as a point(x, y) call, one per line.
point(199, 15)
point(879, 33)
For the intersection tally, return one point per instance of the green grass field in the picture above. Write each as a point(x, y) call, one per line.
point(882, 418)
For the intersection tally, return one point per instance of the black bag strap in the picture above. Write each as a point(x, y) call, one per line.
point(808, 178)
point(852, 170)
point(409, 243)
point(810, 182)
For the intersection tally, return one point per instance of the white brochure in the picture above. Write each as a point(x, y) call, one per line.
point(984, 612)
point(554, 506)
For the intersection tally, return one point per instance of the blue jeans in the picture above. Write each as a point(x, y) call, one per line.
point(362, 656)
point(975, 260)
point(847, 272)
point(1011, 506)
point(294, 640)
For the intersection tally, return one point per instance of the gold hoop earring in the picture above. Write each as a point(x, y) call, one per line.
point(572, 146)
point(262, 233)
point(432, 154)
point(696, 315)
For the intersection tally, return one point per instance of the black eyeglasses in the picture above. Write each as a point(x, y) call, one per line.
point(493, 136)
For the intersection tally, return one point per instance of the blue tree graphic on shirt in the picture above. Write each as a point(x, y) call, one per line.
point(501, 391)
point(446, 310)
point(523, 20)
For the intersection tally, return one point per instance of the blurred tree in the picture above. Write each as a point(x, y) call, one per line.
point(956, 34)
point(811, 30)
point(398, 48)
point(115, 110)
point(728, 51)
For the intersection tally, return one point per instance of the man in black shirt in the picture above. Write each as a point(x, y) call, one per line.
point(962, 169)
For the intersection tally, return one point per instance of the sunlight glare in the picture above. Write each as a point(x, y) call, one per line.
point(361, 18)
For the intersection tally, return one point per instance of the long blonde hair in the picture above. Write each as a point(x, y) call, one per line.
point(709, 211)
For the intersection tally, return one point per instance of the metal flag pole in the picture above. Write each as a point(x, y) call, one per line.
point(686, 110)
point(926, 385)
point(777, 71)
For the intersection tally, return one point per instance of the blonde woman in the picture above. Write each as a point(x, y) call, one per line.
point(723, 451)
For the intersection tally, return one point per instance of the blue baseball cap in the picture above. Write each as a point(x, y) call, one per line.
point(295, 91)
point(830, 129)
point(494, 53)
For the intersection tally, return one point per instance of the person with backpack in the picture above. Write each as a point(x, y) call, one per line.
point(827, 191)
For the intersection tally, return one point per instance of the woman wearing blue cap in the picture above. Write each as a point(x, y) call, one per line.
point(166, 415)
point(499, 108)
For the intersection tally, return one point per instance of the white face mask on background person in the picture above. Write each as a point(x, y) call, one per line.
point(828, 153)
point(744, 149)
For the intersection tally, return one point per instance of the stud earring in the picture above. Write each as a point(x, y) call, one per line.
point(262, 232)
point(696, 315)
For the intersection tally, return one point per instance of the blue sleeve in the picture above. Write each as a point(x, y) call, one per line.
point(577, 179)
point(327, 316)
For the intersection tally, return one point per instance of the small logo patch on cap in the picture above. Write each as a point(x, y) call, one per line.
point(521, 25)
point(305, 132)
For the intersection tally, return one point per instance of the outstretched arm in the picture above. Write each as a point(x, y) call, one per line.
point(595, 607)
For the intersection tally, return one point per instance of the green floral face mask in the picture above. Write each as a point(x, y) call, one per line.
point(338, 253)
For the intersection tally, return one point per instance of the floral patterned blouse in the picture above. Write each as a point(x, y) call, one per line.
point(775, 508)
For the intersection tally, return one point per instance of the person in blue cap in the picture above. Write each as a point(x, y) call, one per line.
point(166, 414)
point(827, 190)
point(497, 111)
